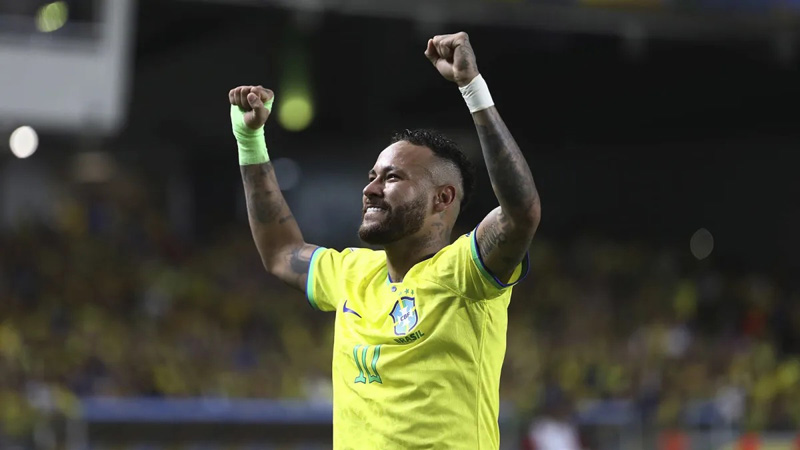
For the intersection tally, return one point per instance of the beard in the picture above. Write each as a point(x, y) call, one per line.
point(397, 223)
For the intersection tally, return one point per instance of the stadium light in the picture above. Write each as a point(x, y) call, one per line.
point(295, 100)
point(296, 112)
point(701, 244)
point(23, 142)
point(52, 16)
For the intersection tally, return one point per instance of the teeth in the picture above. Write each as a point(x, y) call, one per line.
point(373, 208)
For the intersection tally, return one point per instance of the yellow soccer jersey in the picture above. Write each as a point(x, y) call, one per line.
point(416, 364)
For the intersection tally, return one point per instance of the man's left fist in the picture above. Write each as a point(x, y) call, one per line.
point(453, 57)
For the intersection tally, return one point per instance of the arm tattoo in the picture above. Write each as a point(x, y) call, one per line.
point(496, 239)
point(277, 236)
point(511, 177)
point(506, 234)
point(494, 235)
point(264, 200)
point(299, 262)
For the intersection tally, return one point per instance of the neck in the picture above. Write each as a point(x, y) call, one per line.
point(403, 254)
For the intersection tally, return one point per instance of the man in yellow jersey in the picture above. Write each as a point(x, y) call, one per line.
point(420, 331)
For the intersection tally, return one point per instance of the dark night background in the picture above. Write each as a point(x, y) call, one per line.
point(648, 145)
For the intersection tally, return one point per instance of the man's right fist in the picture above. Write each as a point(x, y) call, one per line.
point(255, 102)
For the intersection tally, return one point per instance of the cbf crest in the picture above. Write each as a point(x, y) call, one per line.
point(404, 315)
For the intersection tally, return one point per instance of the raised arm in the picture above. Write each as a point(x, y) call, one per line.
point(280, 243)
point(505, 234)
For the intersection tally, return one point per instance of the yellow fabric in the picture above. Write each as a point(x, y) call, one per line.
point(416, 365)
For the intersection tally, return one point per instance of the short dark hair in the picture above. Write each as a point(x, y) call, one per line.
point(445, 148)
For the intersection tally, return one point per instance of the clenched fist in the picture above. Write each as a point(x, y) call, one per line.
point(453, 57)
point(255, 102)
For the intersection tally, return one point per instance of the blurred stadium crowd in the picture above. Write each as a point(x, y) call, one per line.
point(107, 301)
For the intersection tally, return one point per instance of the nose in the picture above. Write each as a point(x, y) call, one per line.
point(373, 189)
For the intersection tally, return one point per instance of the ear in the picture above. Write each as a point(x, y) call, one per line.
point(445, 196)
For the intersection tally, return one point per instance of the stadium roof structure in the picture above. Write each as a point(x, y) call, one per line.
point(682, 20)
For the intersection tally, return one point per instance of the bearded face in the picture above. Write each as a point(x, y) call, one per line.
point(384, 222)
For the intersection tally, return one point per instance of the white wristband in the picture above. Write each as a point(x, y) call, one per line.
point(477, 95)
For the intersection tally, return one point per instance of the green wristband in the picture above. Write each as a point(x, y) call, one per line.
point(252, 147)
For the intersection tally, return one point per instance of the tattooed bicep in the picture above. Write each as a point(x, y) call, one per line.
point(501, 245)
point(295, 267)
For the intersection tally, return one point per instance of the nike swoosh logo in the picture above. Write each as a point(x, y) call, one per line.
point(348, 310)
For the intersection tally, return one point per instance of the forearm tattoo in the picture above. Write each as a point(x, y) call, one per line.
point(511, 177)
point(265, 202)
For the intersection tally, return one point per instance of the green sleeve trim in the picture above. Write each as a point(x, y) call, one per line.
point(310, 290)
point(496, 282)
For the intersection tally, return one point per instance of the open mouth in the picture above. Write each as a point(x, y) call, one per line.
point(374, 210)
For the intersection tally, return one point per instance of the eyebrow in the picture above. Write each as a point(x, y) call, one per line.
point(387, 169)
